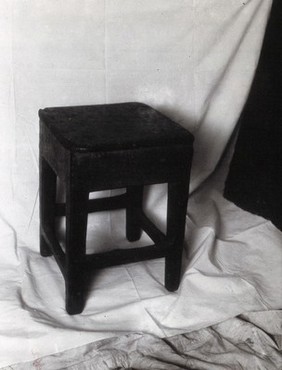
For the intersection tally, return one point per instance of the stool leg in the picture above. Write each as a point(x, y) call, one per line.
point(133, 208)
point(76, 228)
point(176, 216)
point(47, 194)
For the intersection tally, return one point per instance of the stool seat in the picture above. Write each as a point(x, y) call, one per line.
point(112, 127)
point(103, 147)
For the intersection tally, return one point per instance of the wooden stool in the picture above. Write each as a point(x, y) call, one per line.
point(100, 147)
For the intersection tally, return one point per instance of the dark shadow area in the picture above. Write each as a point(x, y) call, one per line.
point(254, 181)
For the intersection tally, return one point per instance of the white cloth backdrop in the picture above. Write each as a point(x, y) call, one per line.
point(192, 60)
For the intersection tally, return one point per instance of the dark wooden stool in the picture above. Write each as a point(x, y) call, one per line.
point(99, 147)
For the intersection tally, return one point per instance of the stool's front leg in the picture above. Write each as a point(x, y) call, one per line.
point(47, 193)
point(176, 217)
point(76, 228)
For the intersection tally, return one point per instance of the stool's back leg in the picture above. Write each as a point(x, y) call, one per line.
point(176, 217)
point(133, 209)
point(76, 228)
point(47, 196)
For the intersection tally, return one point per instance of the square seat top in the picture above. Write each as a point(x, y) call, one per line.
point(109, 127)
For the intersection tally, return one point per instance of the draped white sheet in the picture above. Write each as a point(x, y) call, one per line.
point(192, 60)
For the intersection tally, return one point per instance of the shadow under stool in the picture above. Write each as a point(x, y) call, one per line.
point(111, 146)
